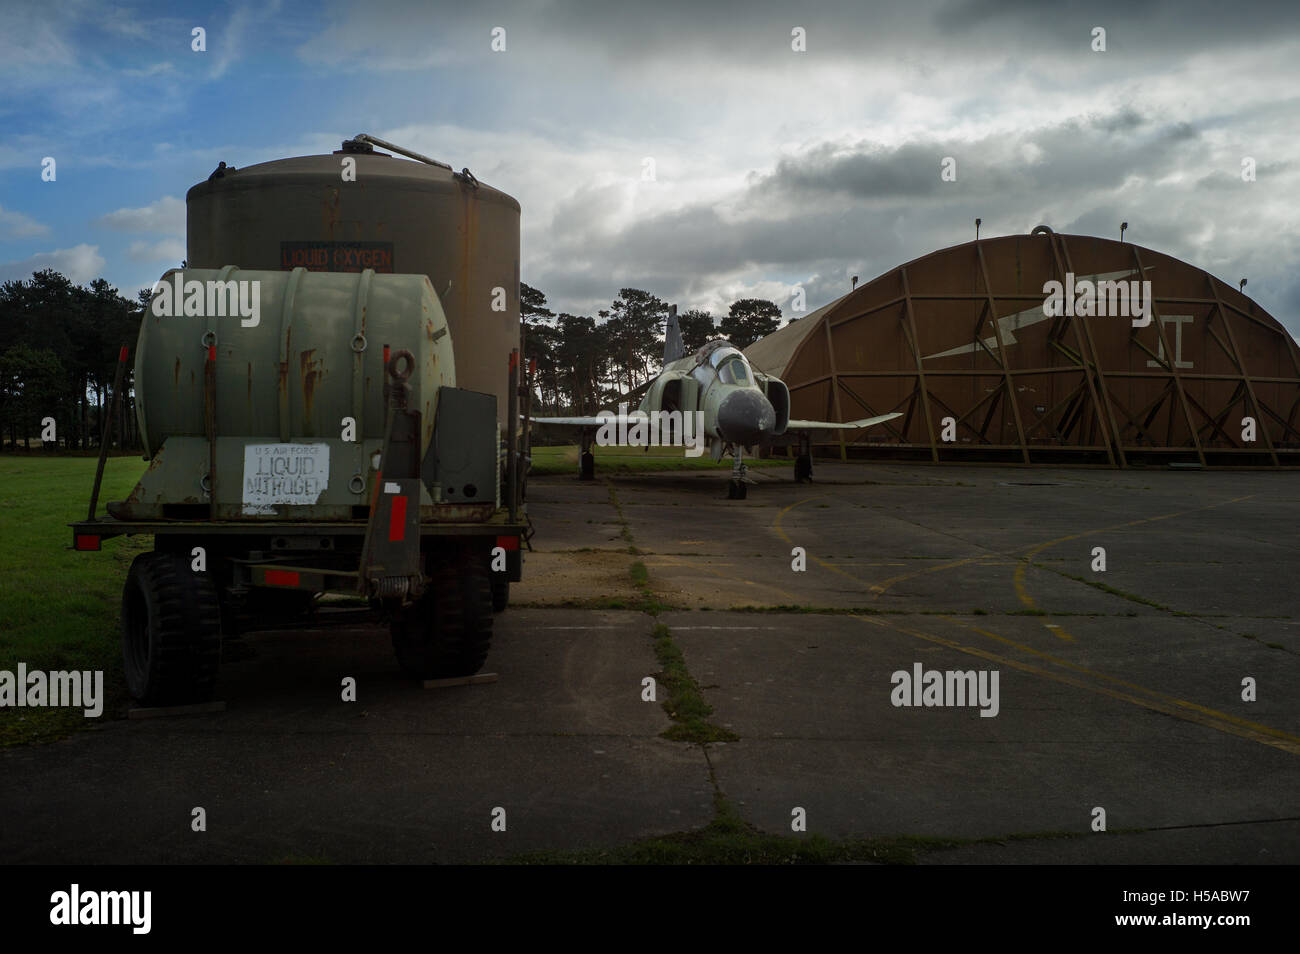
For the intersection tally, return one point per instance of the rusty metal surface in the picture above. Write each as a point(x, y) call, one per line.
point(296, 374)
point(961, 334)
point(462, 234)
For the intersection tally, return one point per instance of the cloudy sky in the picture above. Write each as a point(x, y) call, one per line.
point(773, 168)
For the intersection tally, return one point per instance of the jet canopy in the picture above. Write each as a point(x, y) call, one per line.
point(731, 366)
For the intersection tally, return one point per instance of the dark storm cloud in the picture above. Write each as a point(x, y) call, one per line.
point(908, 170)
point(1163, 25)
point(698, 241)
point(900, 184)
point(1075, 155)
point(736, 32)
point(1127, 119)
point(1223, 180)
point(1184, 90)
point(864, 207)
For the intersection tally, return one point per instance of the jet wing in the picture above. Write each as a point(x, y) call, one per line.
point(575, 421)
point(846, 425)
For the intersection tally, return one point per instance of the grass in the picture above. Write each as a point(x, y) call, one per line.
point(729, 840)
point(58, 607)
point(684, 702)
point(1107, 588)
point(563, 459)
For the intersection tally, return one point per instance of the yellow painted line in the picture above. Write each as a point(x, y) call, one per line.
point(879, 588)
point(1156, 701)
point(1022, 592)
point(1173, 700)
point(1178, 708)
point(875, 588)
point(776, 525)
point(1025, 560)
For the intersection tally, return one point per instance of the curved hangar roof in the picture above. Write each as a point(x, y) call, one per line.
point(961, 342)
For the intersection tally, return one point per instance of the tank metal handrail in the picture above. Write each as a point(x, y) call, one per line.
point(408, 153)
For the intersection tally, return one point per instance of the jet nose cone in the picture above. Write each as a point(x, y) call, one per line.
point(745, 417)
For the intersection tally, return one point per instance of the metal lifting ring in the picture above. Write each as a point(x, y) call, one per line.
point(358, 343)
point(357, 484)
point(393, 362)
point(209, 338)
point(205, 483)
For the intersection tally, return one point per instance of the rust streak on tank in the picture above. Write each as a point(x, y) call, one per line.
point(309, 372)
point(330, 212)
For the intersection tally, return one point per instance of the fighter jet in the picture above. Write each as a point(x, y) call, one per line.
point(714, 396)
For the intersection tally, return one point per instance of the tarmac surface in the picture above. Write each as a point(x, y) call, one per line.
point(1119, 689)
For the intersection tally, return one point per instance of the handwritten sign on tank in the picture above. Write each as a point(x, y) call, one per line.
point(284, 474)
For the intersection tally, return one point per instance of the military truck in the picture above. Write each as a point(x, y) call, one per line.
point(308, 425)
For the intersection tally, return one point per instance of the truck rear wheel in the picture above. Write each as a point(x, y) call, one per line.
point(500, 594)
point(171, 631)
point(448, 631)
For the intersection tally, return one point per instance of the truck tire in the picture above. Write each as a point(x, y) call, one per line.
point(171, 631)
point(448, 631)
point(500, 594)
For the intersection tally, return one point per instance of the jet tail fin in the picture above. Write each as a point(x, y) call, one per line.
point(674, 348)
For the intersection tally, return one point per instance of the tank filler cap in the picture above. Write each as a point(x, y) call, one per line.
point(357, 146)
point(220, 171)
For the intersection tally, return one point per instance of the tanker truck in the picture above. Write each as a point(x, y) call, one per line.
point(314, 431)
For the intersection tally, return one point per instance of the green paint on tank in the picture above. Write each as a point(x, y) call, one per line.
point(325, 379)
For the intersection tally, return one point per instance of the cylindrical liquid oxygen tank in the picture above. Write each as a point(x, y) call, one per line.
point(357, 209)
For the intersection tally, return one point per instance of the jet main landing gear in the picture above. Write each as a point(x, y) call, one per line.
point(803, 468)
point(586, 459)
point(803, 460)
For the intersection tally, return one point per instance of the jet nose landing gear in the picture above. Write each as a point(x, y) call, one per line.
point(738, 485)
